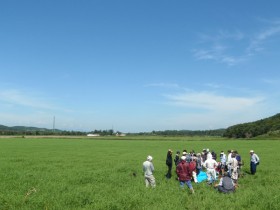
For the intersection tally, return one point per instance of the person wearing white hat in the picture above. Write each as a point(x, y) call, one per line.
point(148, 169)
point(211, 165)
point(184, 173)
point(255, 160)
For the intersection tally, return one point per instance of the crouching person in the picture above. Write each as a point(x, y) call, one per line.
point(184, 173)
point(148, 169)
point(226, 184)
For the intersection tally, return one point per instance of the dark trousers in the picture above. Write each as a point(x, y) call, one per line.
point(223, 190)
point(253, 168)
point(168, 175)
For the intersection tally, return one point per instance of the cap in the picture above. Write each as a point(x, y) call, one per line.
point(251, 151)
point(183, 158)
point(149, 158)
point(184, 153)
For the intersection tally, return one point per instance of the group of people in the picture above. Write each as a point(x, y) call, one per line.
point(190, 165)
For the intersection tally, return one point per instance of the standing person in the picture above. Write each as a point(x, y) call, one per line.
point(198, 163)
point(239, 160)
point(184, 174)
point(229, 161)
point(214, 155)
point(169, 163)
point(208, 154)
point(223, 160)
point(211, 164)
point(148, 169)
point(226, 184)
point(177, 158)
point(234, 168)
point(255, 160)
point(192, 166)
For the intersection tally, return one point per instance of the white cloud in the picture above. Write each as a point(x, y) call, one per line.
point(218, 54)
point(20, 98)
point(212, 101)
point(234, 48)
point(257, 41)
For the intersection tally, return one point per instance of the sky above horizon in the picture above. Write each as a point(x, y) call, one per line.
point(138, 66)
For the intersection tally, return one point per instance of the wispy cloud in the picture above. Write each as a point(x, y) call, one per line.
point(255, 45)
point(236, 47)
point(212, 101)
point(218, 55)
point(272, 82)
point(20, 98)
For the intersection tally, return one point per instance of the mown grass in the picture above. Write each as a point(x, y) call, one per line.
point(98, 174)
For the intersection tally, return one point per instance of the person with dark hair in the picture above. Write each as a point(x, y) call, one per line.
point(255, 160)
point(214, 155)
point(229, 161)
point(239, 160)
point(226, 184)
point(223, 160)
point(177, 158)
point(169, 163)
point(198, 163)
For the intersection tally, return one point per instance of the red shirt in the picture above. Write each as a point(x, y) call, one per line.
point(184, 171)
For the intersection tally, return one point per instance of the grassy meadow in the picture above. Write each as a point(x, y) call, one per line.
point(97, 173)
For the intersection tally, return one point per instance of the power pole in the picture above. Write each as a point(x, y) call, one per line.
point(53, 124)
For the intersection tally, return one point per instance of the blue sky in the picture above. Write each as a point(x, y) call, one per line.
point(138, 65)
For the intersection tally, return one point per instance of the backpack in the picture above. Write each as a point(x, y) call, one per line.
point(238, 158)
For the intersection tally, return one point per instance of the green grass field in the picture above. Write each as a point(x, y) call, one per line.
point(42, 173)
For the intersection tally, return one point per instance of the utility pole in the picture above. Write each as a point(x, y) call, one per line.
point(53, 124)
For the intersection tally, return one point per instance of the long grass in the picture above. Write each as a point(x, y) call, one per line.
point(99, 174)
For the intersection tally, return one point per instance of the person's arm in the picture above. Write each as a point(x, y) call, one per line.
point(257, 158)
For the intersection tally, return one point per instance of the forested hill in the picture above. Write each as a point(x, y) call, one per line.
point(270, 126)
point(21, 128)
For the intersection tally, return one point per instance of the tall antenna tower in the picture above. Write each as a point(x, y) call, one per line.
point(53, 124)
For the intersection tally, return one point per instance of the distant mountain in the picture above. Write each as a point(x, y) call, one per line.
point(267, 126)
point(22, 128)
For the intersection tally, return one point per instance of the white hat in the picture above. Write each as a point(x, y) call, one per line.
point(149, 158)
point(183, 158)
point(251, 151)
point(184, 153)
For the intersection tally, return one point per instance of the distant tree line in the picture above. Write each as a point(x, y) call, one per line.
point(41, 133)
point(21, 130)
point(103, 132)
point(268, 126)
point(217, 132)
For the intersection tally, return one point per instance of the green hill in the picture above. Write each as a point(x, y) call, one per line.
point(267, 126)
point(22, 128)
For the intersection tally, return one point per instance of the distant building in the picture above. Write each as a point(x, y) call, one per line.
point(93, 135)
point(120, 134)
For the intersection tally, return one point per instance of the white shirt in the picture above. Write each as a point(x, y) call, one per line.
point(148, 168)
point(255, 158)
point(229, 159)
point(223, 158)
point(210, 163)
